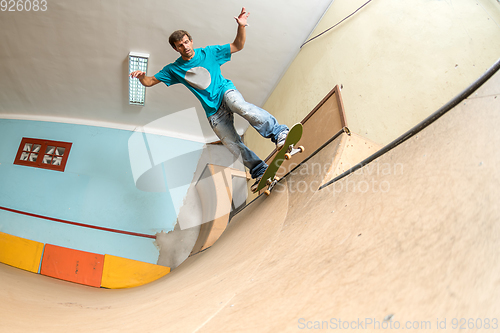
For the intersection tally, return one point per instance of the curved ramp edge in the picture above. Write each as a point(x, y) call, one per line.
point(414, 235)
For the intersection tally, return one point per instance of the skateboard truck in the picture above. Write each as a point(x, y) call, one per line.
point(288, 155)
point(271, 184)
point(292, 151)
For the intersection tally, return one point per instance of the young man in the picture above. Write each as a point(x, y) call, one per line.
point(199, 70)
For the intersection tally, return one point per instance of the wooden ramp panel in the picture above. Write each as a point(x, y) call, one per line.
point(323, 123)
point(320, 125)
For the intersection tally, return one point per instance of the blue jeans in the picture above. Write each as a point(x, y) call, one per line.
point(222, 122)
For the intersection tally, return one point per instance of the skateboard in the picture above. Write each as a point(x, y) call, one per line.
point(286, 152)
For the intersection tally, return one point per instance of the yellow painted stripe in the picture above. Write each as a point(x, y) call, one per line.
point(20, 252)
point(126, 273)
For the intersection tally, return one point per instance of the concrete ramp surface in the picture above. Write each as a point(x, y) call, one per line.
point(409, 241)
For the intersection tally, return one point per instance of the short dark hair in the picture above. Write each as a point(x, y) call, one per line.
point(177, 36)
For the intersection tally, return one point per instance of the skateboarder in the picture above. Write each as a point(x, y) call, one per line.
point(199, 70)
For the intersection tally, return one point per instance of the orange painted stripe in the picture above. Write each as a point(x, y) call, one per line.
point(72, 265)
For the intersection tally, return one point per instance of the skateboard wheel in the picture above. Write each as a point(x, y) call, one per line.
point(301, 148)
point(267, 192)
point(276, 178)
point(288, 156)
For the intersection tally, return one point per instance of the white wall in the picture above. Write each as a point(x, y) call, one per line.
point(398, 62)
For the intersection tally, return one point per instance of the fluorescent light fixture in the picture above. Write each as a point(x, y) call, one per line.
point(136, 91)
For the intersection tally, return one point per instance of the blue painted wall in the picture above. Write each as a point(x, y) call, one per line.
point(97, 188)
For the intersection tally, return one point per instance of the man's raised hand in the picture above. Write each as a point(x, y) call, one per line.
point(242, 18)
point(137, 74)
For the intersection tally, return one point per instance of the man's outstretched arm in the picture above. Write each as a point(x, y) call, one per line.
point(146, 81)
point(241, 35)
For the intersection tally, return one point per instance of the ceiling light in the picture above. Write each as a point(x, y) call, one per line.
point(136, 91)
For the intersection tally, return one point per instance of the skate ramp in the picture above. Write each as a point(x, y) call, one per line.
point(412, 237)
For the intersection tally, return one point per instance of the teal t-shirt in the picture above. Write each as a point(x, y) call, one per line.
point(201, 75)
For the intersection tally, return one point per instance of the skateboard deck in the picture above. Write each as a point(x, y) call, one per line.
point(286, 152)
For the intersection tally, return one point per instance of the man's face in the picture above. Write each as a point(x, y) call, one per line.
point(185, 48)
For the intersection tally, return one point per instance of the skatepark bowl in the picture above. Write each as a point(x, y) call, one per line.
point(411, 239)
